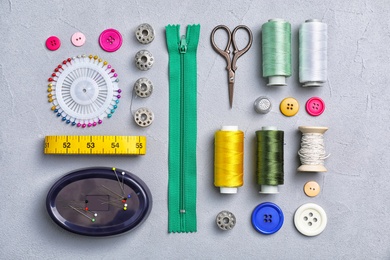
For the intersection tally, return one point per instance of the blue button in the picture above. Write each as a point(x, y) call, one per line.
point(267, 218)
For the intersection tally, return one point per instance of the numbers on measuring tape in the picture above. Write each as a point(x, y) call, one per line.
point(66, 145)
point(114, 145)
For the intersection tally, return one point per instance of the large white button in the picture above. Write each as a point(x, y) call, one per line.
point(310, 219)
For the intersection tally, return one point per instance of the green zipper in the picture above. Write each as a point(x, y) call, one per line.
point(182, 128)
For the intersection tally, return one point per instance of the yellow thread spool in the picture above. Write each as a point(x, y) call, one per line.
point(229, 159)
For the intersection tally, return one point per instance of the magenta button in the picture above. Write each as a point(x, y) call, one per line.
point(315, 106)
point(53, 43)
point(110, 40)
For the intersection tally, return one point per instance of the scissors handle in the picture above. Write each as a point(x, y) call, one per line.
point(237, 53)
point(226, 52)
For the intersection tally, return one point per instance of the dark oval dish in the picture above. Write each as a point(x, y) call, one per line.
point(99, 201)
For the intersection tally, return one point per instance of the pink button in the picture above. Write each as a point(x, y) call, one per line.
point(110, 40)
point(315, 106)
point(78, 39)
point(53, 43)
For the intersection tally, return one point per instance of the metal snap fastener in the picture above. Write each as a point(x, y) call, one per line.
point(144, 60)
point(144, 33)
point(143, 87)
point(143, 117)
point(226, 220)
point(262, 105)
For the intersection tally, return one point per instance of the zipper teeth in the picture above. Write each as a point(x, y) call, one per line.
point(182, 195)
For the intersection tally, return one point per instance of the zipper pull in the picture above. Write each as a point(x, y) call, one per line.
point(183, 44)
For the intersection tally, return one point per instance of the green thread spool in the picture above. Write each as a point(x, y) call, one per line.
point(276, 51)
point(270, 159)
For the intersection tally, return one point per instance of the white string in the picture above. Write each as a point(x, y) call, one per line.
point(313, 48)
point(312, 150)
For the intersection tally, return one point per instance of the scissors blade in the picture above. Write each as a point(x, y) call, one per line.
point(231, 88)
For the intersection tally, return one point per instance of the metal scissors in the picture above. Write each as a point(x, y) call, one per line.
point(231, 63)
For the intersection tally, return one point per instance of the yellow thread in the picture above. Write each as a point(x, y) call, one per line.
point(229, 159)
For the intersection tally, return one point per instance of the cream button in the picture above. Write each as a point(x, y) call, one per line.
point(312, 188)
point(310, 219)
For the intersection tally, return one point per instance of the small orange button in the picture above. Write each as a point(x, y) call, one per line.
point(289, 106)
point(312, 188)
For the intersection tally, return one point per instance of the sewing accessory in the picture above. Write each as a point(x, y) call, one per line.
point(315, 106)
point(267, 218)
point(312, 153)
point(237, 53)
point(229, 159)
point(94, 144)
point(78, 39)
point(53, 43)
point(144, 33)
point(144, 60)
point(262, 105)
point(110, 40)
point(226, 220)
point(270, 159)
point(311, 188)
point(310, 219)
point(143, 87)
point(289, 106)
point(182, 128)
point(143, 117)
point(99, 201)
point(313, 48)
point(83, 91)
point(276, 36)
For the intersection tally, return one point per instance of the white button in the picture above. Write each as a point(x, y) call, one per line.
point(310, 219)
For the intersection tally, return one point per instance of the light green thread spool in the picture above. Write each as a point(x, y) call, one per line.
point(270, 159)
point(276, 51)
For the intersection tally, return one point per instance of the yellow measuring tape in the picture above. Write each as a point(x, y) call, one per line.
point(115, 145)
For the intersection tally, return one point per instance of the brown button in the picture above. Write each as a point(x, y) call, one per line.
point(312, 188)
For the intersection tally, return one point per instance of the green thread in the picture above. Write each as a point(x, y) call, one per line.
point(276, 48)
point(270, 156)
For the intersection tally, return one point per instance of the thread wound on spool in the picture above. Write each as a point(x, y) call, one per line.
point(276, 48)
point(229, 159)
point(270, 157)
point(313, 36)
point(312, 153)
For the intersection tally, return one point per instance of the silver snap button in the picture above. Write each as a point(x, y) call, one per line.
point(143, 117)
point(144, 60)
point(143, 87)
point(144, 33)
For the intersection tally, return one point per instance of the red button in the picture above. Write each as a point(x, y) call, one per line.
point(53, 43)
point(110, 40)
point(315, 106)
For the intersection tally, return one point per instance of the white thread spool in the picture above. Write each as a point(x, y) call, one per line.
point(313, 36)
point(312, 153)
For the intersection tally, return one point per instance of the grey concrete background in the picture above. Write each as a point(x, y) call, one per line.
point(355, 190)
